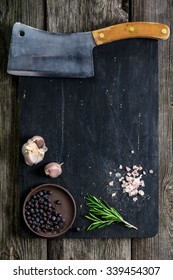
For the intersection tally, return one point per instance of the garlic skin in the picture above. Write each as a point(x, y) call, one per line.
point(34, 150)
point(53, 169)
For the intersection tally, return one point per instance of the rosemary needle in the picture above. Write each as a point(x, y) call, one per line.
point(101, 214)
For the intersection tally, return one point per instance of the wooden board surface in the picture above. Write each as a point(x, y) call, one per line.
point(95, 125)
point(53, 17)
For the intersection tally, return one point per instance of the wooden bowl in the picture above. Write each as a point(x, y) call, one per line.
point(62, 203)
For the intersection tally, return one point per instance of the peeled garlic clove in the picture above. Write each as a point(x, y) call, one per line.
point(34, 150)
point(53, 169)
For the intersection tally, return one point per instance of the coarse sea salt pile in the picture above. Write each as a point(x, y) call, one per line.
point(132, 181)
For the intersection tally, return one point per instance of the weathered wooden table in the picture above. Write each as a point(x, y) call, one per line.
point(74, 16)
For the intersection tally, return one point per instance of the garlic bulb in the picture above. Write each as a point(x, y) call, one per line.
point(53, 169)
point(34, 150)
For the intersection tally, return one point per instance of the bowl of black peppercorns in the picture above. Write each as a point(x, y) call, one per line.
point(49, 210)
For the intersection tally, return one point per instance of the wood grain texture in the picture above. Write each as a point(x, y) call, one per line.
point(12, 245)
point(160, 247)
point(77, 16)
point(90, 249)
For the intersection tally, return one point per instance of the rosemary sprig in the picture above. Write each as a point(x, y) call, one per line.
point(101, 214)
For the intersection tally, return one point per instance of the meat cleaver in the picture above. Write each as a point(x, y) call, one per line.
point(38, 53)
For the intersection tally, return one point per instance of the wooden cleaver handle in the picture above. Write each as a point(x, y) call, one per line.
point(131, 30)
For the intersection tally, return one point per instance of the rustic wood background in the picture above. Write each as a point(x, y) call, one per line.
point(73, 16)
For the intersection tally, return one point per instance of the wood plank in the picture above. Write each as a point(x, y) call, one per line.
point(161, 246)
point(12, 245)
point(90, 249)
point(78, 16)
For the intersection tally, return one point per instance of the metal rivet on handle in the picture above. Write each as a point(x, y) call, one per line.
point(102, 35)
point(163, 31)
point(131, 29)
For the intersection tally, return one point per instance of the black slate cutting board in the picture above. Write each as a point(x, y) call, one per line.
point(94, 125)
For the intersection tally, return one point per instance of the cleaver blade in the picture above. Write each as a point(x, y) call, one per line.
point(35, 52)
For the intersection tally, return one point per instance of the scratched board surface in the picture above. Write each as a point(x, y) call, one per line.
point(95, 125)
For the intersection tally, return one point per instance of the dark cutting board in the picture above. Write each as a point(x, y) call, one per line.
point(94, 125)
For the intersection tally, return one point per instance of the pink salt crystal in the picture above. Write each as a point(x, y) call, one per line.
point(111, 183)
point(135, 185)
point(141, 192)
point(127, 190)
point(128, 178)
point(135, 167)
point(135, 173)
point(137, 180)
point(113, 194)
point(128, 169)
point(135, 199)
point(142, 183)
point(124, 184)
point(134, 192)
point(117, 175)
point(120, 180)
